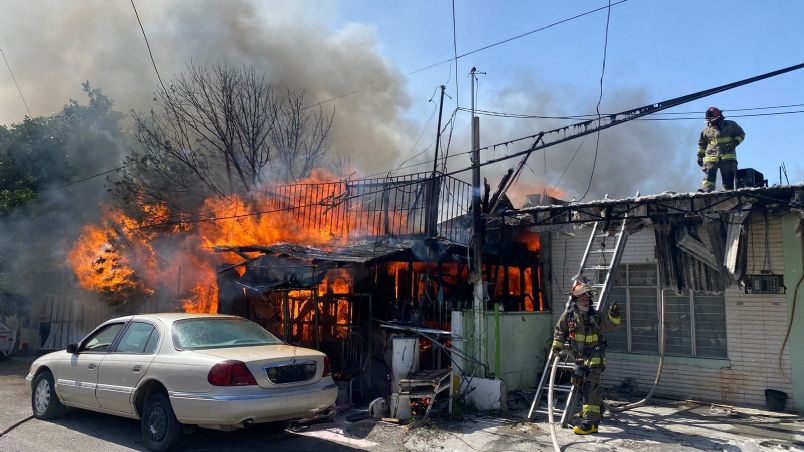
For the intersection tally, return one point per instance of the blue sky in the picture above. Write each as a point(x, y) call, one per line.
point(657, 49)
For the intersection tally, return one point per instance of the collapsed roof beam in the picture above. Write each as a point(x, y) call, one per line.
point(664, 205)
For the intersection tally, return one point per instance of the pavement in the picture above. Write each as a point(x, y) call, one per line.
point(664, 426)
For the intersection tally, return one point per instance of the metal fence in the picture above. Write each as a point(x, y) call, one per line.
point(362, 209)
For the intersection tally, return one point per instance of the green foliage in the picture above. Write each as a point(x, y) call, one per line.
point(47, 152)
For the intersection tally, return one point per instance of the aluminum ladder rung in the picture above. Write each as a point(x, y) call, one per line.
point(560, 388)
point(597, 267)
point(617, 234)
point(557, 411)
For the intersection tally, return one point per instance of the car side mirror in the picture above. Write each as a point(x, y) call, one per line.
point(72, 348)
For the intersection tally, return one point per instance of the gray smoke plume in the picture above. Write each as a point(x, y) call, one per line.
point(645, 156)
point(53, 46)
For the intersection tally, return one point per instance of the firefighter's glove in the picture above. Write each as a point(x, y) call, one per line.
point(700, 162)
point(578, 374)
point(614, 310)
point(560, 353)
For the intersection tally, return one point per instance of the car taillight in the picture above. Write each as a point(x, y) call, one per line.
point(327, 368)
point(230, 373)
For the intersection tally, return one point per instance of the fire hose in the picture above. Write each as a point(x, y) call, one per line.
point(550, 419)
point(619, 409)
point(553, 371)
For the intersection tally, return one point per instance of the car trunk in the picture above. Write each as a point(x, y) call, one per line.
point(275, 365)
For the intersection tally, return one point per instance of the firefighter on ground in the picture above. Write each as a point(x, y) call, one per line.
point(581, 327)
point(717, 149)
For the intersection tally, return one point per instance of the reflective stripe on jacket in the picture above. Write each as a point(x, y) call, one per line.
point(720, 144)
point(583, 331)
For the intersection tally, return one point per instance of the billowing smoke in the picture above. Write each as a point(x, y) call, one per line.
point(642, 155)
point(54, 46)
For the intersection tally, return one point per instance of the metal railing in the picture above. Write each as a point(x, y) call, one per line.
point(398, 206)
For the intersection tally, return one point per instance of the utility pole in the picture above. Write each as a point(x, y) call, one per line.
point(478, 239)
point(435, 185)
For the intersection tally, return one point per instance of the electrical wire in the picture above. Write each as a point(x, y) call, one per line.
point(599, 100)
point(85, 179)
point(635, 112)
point(148, 45)
point(502, 114)
point(421, 134)
point(445, 152)
point(455, 56)
point(15, 83)
point(566, 168)
point(471, 52)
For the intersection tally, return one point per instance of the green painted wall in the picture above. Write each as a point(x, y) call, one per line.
point(523, 345)
point(793, 268)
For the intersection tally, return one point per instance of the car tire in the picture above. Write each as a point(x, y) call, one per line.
point(160, 429)
point(45, 404)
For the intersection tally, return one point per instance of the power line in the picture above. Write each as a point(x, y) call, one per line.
point(586, 128)
point(16, 84)
point(588, 116)
point(86, 179)
point(501, 114)
point(471, 52)
point(148, 45)
point(455, 56)
point(599, 100)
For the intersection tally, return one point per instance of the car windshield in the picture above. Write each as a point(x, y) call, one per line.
point(202, 333)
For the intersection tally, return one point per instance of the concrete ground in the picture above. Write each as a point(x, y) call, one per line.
point(668, 426)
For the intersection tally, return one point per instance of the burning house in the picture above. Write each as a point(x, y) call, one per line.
point(389, 257)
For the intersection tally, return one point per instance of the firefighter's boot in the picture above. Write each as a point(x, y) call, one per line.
point(585, 428)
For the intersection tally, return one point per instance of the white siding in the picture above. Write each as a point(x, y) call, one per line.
point(756, 325)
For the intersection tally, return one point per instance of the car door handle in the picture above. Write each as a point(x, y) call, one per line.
point(136, 368)
point(91, 366)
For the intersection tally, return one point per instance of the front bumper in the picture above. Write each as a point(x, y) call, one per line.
point(253, 404)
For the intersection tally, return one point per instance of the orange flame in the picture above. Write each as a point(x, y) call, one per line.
point(519, 192)
point(119, 254)
point(111, 257)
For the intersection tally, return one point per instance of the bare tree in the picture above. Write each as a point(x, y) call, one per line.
point(219, 130)
point(301, 137)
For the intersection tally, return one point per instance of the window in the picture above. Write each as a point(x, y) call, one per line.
point(138, 338)
point(205, 332)
point(695, 323)
point(101, 340)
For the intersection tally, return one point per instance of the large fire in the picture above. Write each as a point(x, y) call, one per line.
point(156, 252)
point(123, 256)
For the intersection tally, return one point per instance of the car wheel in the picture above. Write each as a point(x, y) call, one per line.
point(45, 404)
point(160, 429)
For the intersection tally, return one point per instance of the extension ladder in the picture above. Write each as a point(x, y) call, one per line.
point(606, 243)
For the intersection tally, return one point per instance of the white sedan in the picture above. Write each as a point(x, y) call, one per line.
point(213, 371)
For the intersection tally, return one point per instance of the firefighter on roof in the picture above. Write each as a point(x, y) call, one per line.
point(717, 149)
point(580, 327)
